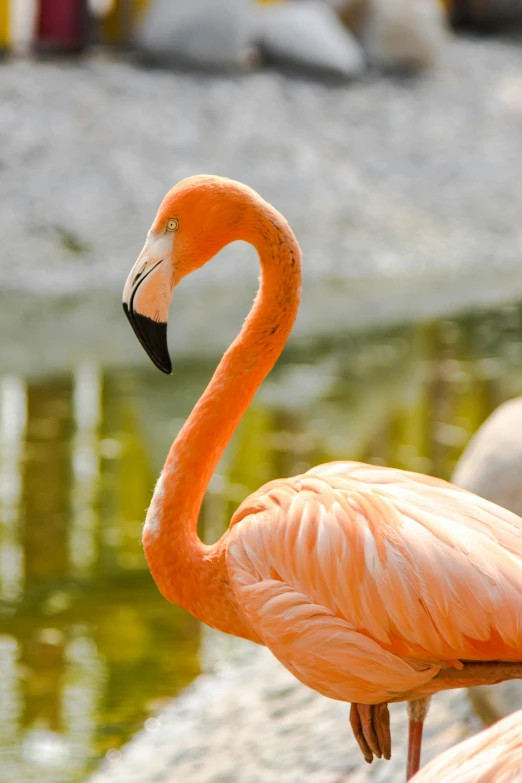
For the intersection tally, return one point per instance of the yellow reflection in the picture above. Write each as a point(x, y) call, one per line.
point(13, 419)
point(82, 691)
point(87, 391)
point(10, 712)
point(89, 644)
point(46, 477)
point(123, 635)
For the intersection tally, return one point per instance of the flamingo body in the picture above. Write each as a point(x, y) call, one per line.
point(365, 581)
point(493, 756)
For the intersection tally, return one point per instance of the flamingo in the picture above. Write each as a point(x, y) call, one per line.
point(371, 585)
point(490, 466)
point(491, 463)
point(493, 756)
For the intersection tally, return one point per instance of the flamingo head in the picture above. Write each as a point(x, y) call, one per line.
point(196, 219)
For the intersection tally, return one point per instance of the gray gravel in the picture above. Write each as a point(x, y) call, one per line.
point(252, 722)
point(378, 179)
point(405, 195)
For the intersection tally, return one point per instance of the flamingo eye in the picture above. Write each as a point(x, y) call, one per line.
point(172, 224)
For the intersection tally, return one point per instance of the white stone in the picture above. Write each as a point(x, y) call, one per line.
point(404, 34)
point(308, 35)
point(204, 33)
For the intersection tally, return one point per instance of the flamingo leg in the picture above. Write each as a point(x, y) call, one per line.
point(371, 727)
point(417, 711)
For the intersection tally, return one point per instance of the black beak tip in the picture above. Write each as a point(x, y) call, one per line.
point(166, 367)
point(153, 337)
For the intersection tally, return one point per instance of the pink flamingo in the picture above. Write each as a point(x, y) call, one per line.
point(371, 585)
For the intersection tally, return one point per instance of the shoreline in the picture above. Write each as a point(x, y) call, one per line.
point(251, 721)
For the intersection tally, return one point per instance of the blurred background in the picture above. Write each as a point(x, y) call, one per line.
point(388, 133)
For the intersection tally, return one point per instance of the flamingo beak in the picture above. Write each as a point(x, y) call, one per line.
point(146, 298)
point(153, 337)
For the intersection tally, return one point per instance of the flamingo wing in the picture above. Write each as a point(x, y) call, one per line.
point(365, 581)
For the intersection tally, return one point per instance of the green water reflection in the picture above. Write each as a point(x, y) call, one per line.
point(88, 648)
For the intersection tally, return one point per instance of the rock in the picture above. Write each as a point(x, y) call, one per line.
point(404, 34)
point(201, 33)
point(308, 35)
point(351, 12)
point(487, 14)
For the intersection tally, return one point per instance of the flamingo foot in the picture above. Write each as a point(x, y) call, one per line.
point(371, 727)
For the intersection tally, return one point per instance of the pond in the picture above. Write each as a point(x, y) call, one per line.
point(89, 650)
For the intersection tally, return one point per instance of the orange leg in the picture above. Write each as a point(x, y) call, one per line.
point(371, 727)
point(417, 711)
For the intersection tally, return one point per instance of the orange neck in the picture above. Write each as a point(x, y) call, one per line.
point(186, 571)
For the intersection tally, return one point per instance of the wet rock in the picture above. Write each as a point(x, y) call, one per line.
point(201, 33)
point(308, 35)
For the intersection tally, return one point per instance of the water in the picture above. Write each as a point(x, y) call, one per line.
point(88, 648)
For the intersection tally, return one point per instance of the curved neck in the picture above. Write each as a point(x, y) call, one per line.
point(187, 572)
